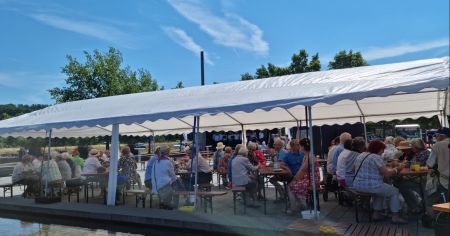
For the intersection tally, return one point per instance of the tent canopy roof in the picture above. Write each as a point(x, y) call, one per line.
point(381, 92)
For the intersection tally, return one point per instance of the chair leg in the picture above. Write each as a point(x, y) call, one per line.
point(356, 209)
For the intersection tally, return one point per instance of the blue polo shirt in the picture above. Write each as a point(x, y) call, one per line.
point(293, 161)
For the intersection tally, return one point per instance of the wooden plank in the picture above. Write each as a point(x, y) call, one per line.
point(405, 232)
point(391, 231)
point(358, 229)
point(378, 230)
point(372, 230)
point(384, 230)
point(350, 230)
point(443, 207)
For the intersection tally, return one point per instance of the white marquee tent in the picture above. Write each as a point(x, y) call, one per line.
point(383, 92)
point(372, 93)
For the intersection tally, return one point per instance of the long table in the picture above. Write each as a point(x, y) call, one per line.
point(269, 171)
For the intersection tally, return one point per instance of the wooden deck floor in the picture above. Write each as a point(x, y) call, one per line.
point(222, 220)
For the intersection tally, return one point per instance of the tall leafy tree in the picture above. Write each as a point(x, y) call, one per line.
point(101, 75)
point(299, 64)
point(344, 59)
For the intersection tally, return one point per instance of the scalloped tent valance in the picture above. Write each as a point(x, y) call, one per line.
point(382, 92)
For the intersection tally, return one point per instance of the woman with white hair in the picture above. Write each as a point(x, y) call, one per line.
point(163, 178)
point(241, 167)
point(390, 150)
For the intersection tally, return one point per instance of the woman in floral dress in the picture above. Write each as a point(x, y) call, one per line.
point(127, 167)
point(301, 185)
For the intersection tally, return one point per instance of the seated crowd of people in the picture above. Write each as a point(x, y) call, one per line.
point(373, 168)
point(376, 169)
point(71, 169)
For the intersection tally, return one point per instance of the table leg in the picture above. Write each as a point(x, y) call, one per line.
point(264, 193)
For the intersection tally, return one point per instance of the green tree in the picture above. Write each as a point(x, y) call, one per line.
point(179, 85)
point(246, 76)
point(299, 64)
point(342, 59)
point(101, 75)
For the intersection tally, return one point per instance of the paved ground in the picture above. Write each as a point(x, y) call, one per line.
point(275, 221)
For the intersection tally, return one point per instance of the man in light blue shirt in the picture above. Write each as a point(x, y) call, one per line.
point(279, 155)
point(148, 171)
point(331, 167)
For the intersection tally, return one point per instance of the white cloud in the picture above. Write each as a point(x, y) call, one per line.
point(28, 86)
point(180, 37)
point(375, 53)
point(229, 30)
point(90, 28)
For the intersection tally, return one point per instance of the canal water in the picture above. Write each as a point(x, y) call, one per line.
point(13, 227)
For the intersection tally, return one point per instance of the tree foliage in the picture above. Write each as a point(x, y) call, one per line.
point(299, 64)
point(343, 59)
point(101, 75)
point(179, 85)
point(12, 110)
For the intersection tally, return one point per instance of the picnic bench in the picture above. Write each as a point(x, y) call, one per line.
point(242, 192)
point(7, 187)
point(141, 196)
point(324, 227)
point(361, 199)
point(205, 196)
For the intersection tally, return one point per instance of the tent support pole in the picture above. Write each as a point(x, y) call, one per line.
point(307, 121)
point(244, 135)
point(197, 127)
point(445, 118)
point(231, 117)
point(363, 121)
point(112, 178)
point(311, 160)
point(49, 157)
point(297, 135)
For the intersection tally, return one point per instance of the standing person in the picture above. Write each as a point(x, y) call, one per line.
point(163, 177)
point(218, 154)
point(369, 173)
point(241, 167)
point(300, 188)
point(438, 184)
point(278, 154)
point(128, 167)
point(149, 168)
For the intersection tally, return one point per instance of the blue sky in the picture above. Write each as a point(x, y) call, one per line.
point(165, 36)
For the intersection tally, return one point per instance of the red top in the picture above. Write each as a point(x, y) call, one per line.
point(261, 157)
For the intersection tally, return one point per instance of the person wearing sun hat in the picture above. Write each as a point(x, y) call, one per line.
point(92, 164)
point(404, 151)
point(218, 154)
